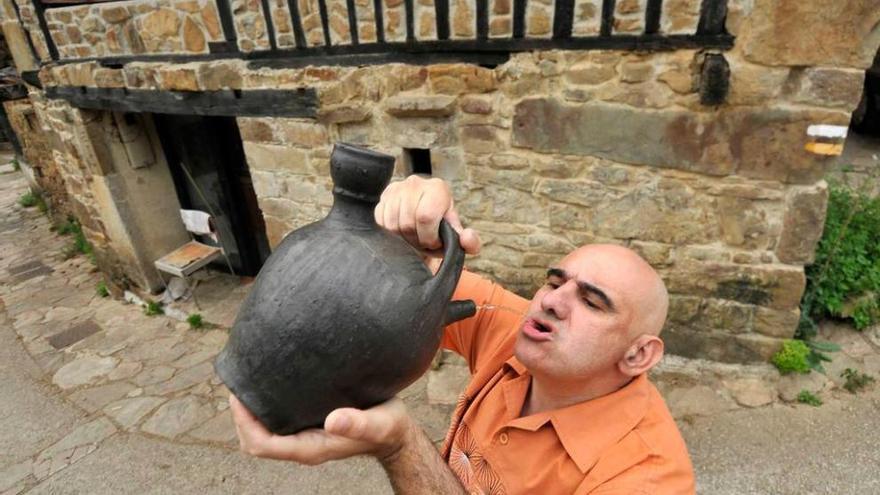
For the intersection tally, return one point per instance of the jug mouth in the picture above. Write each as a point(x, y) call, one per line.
point(360, 173)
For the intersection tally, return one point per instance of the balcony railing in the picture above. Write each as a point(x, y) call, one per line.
point(644, 31)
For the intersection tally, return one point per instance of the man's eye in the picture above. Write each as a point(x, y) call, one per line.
point(591, 304)
point(552, 285)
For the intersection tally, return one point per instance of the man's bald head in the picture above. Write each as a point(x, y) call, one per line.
point(628, 274)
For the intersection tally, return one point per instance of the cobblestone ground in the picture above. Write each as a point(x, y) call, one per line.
point(97, 397)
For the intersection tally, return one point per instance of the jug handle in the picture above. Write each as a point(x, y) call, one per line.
point(448, 274)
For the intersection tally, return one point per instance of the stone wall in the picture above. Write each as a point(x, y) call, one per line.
point(37, 152)
point(134, 28)
point(555, 149)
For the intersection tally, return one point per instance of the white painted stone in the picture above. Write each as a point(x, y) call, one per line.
point(84, 371)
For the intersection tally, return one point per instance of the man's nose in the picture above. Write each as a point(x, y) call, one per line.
point(555, 301)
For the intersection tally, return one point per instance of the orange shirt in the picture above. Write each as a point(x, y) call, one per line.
point(625, 442)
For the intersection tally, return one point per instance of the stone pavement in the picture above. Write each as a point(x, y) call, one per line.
point(97, 397)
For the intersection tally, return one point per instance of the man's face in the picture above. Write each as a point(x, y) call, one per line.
point(579, 321)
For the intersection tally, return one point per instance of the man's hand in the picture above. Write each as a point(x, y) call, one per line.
point(381, 431)
point(413, 209)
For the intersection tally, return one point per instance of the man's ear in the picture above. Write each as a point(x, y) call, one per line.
point(644, 352)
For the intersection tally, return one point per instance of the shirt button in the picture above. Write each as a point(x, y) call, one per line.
point(503, 438)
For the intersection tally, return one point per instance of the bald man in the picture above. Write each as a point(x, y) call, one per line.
point(559, 400)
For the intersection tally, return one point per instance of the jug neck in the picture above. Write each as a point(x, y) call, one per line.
point(353, 212)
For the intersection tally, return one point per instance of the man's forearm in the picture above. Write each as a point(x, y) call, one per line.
point(417, 468)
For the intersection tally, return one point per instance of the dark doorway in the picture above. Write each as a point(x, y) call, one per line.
point(210, 174)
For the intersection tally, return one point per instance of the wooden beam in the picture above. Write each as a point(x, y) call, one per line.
point(607, 27)
point(247, 103)
point(519, 18)
point(563, 18)
point(652, 16)
point(441, 12)
point(713, 13)
point(40, 11)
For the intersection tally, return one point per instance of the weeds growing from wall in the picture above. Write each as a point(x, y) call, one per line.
point(79, 244)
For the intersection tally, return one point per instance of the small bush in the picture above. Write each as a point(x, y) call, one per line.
point(807, 397)
point(195, 321)
point(855, 381)
point(153, 309)
point(844, 280)
point(101, 289)
point(29, 199)
point(793, 357)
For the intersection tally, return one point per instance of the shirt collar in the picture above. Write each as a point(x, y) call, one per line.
point(588, 428)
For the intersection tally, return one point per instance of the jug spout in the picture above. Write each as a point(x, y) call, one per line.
point(459, 310)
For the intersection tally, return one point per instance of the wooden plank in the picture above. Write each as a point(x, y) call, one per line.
point(563, 18)
point(652, 16)
point(379, 14)
point(325, 21)
point(712, 16)
point(248, 103)
point(298, 33)
point(607, 17)
point(410, 20)
point(519, 18)
point(441, 11)
point(224, 10)
point(352, 21)
point(270, 26)
point(40, 11)
point(482, 19)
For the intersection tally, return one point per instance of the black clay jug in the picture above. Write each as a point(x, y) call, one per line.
point(343, 314)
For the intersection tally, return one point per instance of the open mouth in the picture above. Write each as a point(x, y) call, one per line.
point(538, 330)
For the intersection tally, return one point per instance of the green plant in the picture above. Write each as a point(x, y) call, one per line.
point(195, 321)
point(102, 289)
point(153, 308)
point(844, 280)
point(807, 397)
point(29, 199)
point(80, 244)
point(855, 381)
point(15, 165)
point(792, 357)
point(68, 227)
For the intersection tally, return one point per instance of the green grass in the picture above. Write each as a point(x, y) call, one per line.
point(101, 289)
point(855, 381)
point(29, 199)
point(809, 398)
point(153, 309)
point(79, 245)
point(195, 321)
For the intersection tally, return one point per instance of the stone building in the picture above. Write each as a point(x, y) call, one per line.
point(695, 131)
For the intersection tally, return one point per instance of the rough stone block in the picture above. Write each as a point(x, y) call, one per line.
point(273, 157)
point(775, 323)
point(420, 106)
point(802, 226)
point(344, 113)
point(743, 223)
point(115, 15)
point(255, 129)
point(216, 76)
point(830, 87)
point(798, 33)
point(302, 133)
point(179, 79)
point(774, 286)
point(719, 346)
point(455, 79)
point(762, 143)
